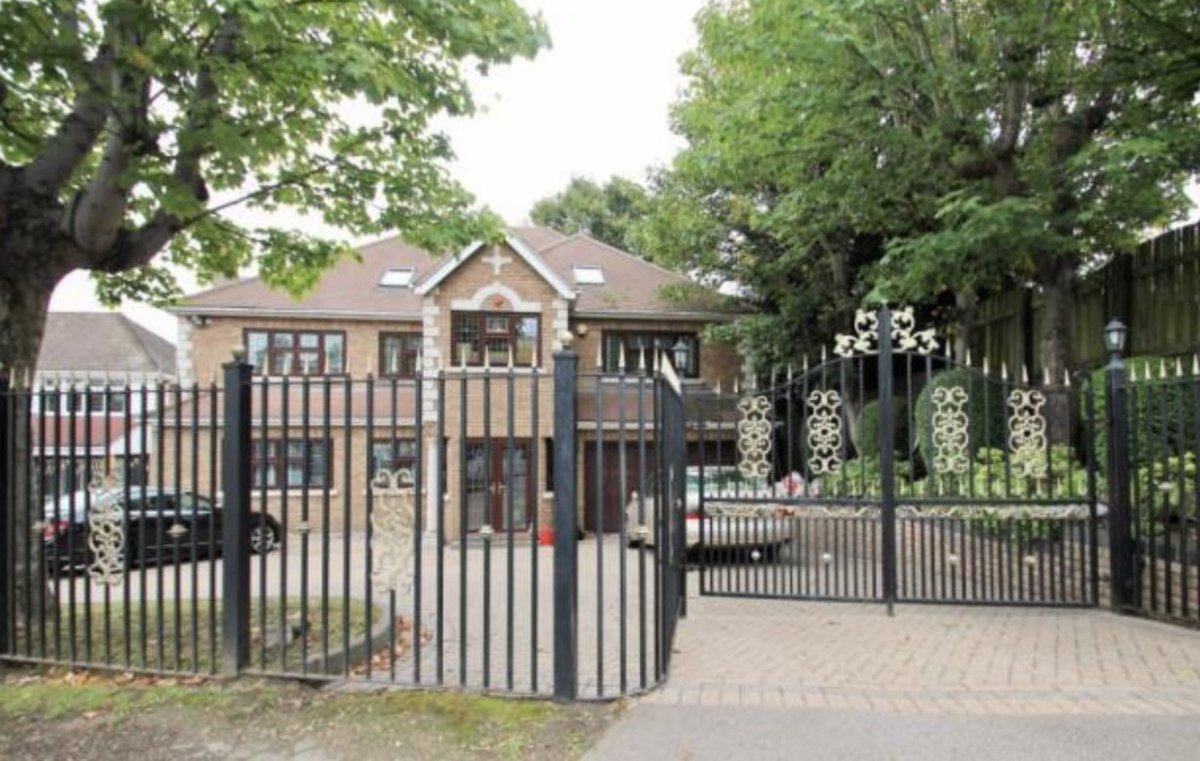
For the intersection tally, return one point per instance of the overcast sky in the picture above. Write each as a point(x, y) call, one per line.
point(596, 105)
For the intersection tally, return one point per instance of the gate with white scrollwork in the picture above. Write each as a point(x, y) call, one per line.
point(888, 471)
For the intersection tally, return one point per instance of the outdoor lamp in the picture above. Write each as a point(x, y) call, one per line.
point(1114, 337)
point(681, 354)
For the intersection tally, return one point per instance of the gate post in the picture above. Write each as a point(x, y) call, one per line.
point(1122, 562)
point(566, 528)
point(887, 485)
point(235, 516)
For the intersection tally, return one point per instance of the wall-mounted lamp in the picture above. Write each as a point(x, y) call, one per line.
point(581, 330)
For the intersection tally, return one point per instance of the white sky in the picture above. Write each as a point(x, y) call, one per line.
point(595, 104)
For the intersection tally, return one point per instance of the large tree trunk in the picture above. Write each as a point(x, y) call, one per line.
point(1057, 280)
point(1058, 293)
point(966, 308)
point(30, 267)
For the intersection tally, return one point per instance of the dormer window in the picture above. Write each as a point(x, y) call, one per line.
point(398, 277)
point(587, 274)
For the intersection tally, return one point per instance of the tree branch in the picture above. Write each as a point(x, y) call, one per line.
point(135, 248)
point(76, 135)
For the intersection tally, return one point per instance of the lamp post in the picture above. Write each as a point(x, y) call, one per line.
point(1122, 556)
point(1115, 335)
point(681, 354)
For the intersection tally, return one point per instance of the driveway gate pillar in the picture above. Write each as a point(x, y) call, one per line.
point(566, 552)
point(235, 514)
point(887, 485)
point(1122, 557)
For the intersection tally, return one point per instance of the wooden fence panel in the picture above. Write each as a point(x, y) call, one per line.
point(1155, 290)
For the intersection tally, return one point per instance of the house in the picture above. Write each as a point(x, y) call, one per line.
point(401, 309)
point(97, 381)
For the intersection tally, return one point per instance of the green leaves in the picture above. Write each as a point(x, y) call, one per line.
point(608, 212)
point(321, 108)
point(918, 150)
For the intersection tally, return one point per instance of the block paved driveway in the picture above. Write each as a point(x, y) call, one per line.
point(775, 679)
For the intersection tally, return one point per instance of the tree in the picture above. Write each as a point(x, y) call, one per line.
point(127, 127)
point(606, 212)
point(781, 128)
point(922, 150)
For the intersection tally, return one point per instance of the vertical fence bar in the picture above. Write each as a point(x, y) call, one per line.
point(566, 558)
point(235, 527)
point(1121, 551)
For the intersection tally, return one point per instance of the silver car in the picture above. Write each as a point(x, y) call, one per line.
point(758, 528)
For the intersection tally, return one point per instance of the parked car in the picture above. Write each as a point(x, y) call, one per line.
point(728, 525)
point(163, 525)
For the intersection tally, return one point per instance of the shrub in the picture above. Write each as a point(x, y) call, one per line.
point(858, 477)
point(866, 433)
point(1162, 415)
point(983, 395)
point(1163, 489)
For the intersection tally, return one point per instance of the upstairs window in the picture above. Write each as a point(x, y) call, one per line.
point(398, 277)
point(287, 352)
point(640, 347)
point(302, 463)
point(587, 274)
point(398, 353)
point(496, 336)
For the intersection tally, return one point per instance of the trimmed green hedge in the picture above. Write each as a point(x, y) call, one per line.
point(1162, 415)
point(982, 395)
point(867, 432)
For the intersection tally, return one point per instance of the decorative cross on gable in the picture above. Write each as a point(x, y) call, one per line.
point(498, 261)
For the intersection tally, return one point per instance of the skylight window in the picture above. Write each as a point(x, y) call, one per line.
point(401, 277)
point(588, 275)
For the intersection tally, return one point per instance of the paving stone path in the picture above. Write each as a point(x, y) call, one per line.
point(931, 660)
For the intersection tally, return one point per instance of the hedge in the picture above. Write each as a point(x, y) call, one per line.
point(867, 434)
point(1162, 415)
point(981, 393)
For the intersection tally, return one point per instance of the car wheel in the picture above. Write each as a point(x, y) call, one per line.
point(263, 538)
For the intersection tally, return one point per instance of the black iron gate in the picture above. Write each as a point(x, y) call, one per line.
point(891, 472)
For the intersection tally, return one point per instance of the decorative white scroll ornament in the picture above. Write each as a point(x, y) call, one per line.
point(106, 532)
point(825, 431)
point(866, 334)
point(1027, 432)
point(392, 522)
point(754, 437)
point(950, 437)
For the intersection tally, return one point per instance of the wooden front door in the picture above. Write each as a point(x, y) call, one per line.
point(610, 497)
point(490, 482)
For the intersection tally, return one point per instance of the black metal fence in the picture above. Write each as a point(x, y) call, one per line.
point(1153, 438)
point(417, 531)
point(890, 472)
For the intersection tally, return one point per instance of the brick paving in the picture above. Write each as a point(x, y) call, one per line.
point(930, 660)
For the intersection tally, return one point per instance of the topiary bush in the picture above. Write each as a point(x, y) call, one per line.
point(1162, 414)
point(984, 395)
point(867, 432)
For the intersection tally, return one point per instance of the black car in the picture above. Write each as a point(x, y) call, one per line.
point(161, 525)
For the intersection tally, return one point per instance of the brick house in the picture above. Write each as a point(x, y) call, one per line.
point(97, 381)
point(401, 311)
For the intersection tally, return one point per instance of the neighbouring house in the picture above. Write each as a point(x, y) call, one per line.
point(399, 310)
point(99, 378)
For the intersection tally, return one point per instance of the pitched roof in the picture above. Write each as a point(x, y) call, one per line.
point(351, 289)
point(539, 238)
point(103, 342)
point(517, 244)
point(631, 285)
